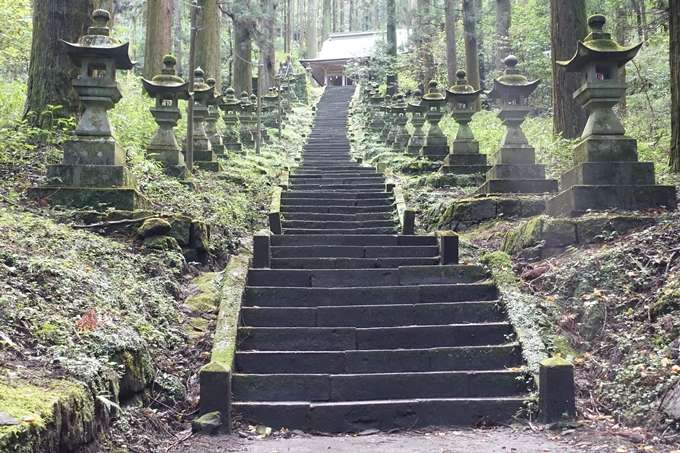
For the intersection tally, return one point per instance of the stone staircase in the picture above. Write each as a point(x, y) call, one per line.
point(355, 327)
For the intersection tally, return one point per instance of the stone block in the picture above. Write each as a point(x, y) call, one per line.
point(508, 207)
point(577, 200)
point(515, 155)
point(516, 171)
point(465, 169)
point(214, 167)
point(204, 156)
point(161, 243)
point(606, 148)
point(518, 186)
point(154, 227)
point(559, 233)
point(125, 199)
point(465, 159)
point(199, 235)
point(556, 390)
point(215, 392)
point(483, 209)
point(408, 226)
point(434, 152)
point(261, 251)
point(465, 147)
point(166, 156)
point(91, 175)
point(93, 151)
point(448, 247)
point(596, 229)
point(531, 233)
point(609, 173)
point(180, 229)
point(532, 206)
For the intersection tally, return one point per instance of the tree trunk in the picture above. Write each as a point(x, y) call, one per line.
point(335, 8)
point(208, 43)
point(641, 16)
point(569, 24)
point(471, 49)
point(243, 53)
point(450, 27)
point(423, 43)
point(51, 71)
point(326, 20)
point(621, 38)
point(289, 25)
point(392, 28)
point(177, 35)
point(301, 11)
point(352, 15)
point(158, 36)
point(312, 18)
point(503, 16)
point(266, 43)
point(674, 34)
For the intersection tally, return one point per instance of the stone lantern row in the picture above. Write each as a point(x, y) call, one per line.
point(606, 174)
point(93, 171)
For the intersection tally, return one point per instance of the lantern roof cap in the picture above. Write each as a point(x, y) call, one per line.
point(461, 89)
point(512, 81)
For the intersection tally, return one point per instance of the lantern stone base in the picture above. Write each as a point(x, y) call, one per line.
point(219, 150)
point(465, 147)
point(606, 148)
point(414, 144)
point(91, 175)
point(204, 156)
point(82, 150)
point(465, 164)
point(234, 146)
point(517, 171)
point(577, 200)
point(528, 186)
point(522, 154)
point(166, 156)
point(212, 166)
point(180, 172)
point(610, 174)
point(435, 148)
point(125, 199)
point(400, 141)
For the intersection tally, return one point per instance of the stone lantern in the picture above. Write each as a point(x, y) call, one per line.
point(402, 137)
point(515, 169)
point(386, 109)
point(418, 110)
point(230, 107)
point(377, 122)
point(292, 97)
point(167, 88)
point(464, 156)
point(93, 172)
point(270, 106)
point(253, 121)
point(436, 144)
point(245, 118)
point(394, 127)
point(204, 157)
point(211, 120)
point(607, 174)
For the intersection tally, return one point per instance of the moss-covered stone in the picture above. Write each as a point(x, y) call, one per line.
point(162, 243)
point(483, 209)
point(512, 242)
point(559, 232)
point(154, 227)
point(180, 229)
point(508, 207)
point(532, 206)
point(532, 232)
point(202, 303)
point(138, 373)
point(208, 423)
point(592, 321)
point(199, 238)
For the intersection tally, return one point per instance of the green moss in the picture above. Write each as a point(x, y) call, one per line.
point(559, 232)
point(206, 283)
point(532, 232)
point(202, 303)
point(501, 269)
point(563, 347)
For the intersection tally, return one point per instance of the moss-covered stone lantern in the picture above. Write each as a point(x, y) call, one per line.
point(394, 118)
point(402, 136)
point(245, 117)
point(292, 97)
point(607, 174)
point(436, 144)
point(204, 157)
point(464, 156)
point(377, 122)
point(93, 172)
point(271, 107)
point(253, 119)
point(167, 88)
point(211, 120)
point(515, 169)
point(230, 107)
point(417, 110)
point(386, 109)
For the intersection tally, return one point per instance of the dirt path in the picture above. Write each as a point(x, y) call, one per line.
point(501, 440)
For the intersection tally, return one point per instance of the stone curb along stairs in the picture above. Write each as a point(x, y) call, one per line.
point(347, 326)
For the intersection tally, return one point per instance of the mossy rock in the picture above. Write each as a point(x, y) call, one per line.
point(180, 229)
point(508, 208)
point(512, 242)
point(483, 209)
point(199, 238)
point(599, 229)
point(154, 227)
point(202, 303)
point(532, 232)
point(592, 321)
point(559, 232)
point(208, 423)
point(198, 326)
point(532, 207)
point(162, 243)
point(138, 373)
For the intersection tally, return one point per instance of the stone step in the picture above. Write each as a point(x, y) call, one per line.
point(357, 416)
point(348, 251)
point(373, 315)
point(351, 338)
point(377, 386)
point(331, 170)
point(272, 296)
point(316, 217)
point(355, 240)
point(292, 207)
point(380, 361)
point(346, 174)
point(311, 231)
point(333, 224)
point(330, 186)
point(292, 200)
point(404, 276)
point(349, 263)
point(326, 180)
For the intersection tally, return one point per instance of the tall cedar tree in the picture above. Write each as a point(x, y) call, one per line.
point(312, 19)
point(51, 70)
point(158, 35)
point(674, 31)
point(208, 41)
point(503, 17)
point(569, 24)
point(471, 47)
point(392, 28)
point(451, 51)
point(243, 24)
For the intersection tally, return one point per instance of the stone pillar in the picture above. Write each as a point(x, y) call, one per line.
point(436, 144)
point(387, 117)
point(401, 137)
point(246, 117)
point(606, 173)
point(556, 399)
point(515, 169)
point(204, 157)
point(230, 107)
point(211, 121)
point(417, 110)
